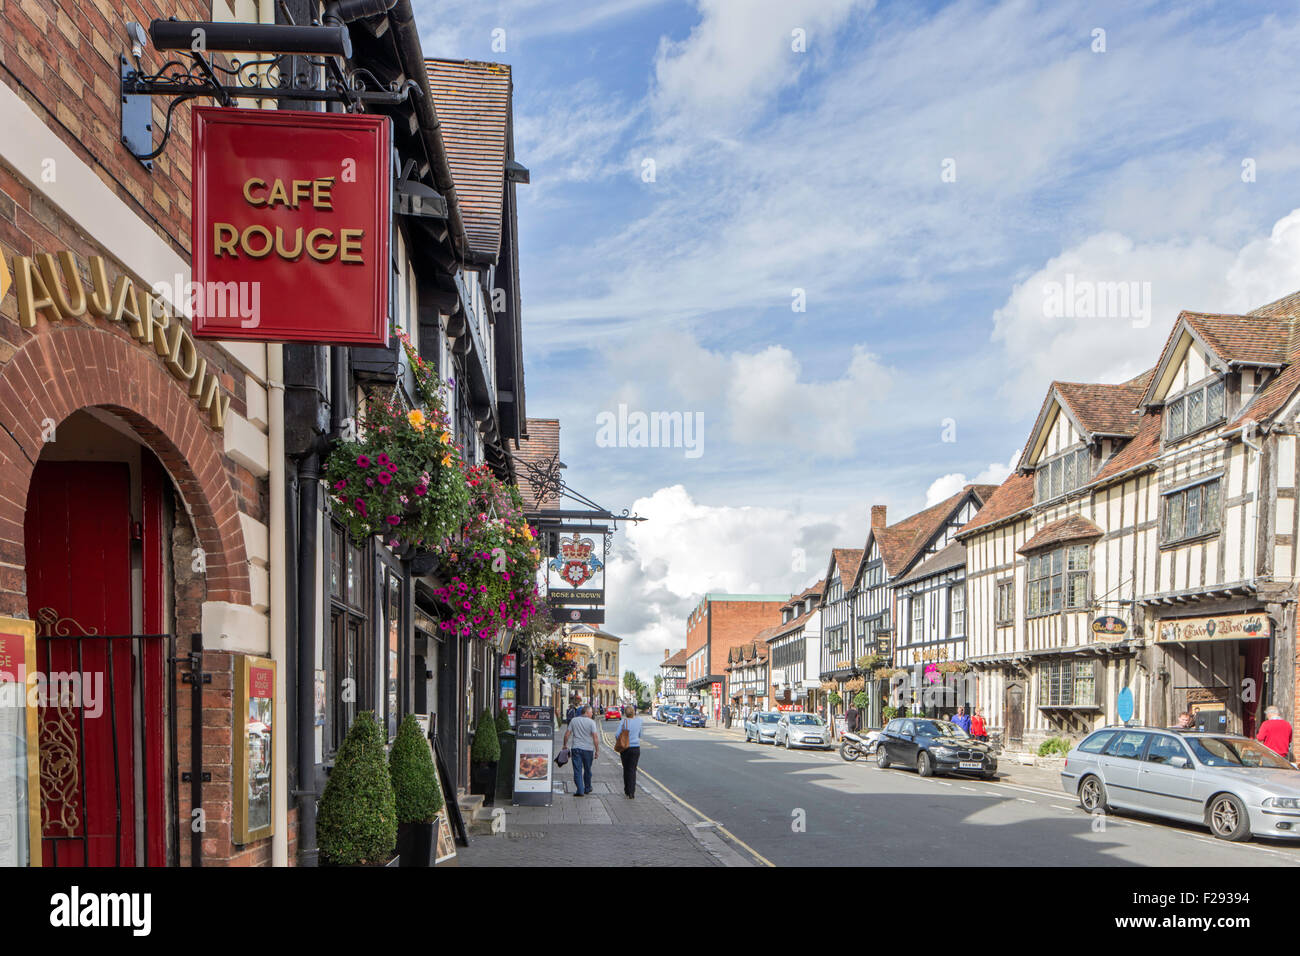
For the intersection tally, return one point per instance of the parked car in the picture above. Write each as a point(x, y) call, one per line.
point(612, 713)
point(802, 730)
point(690, 717)
point(1234, 785)
point(934, 746)
point(760, 726)
point(668, 713)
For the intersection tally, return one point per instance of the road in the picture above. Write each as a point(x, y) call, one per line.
point(810, 808)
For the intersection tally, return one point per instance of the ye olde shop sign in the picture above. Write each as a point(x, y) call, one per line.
point(293, 207)
point(1225, 627)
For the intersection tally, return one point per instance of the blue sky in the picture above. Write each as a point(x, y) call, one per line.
point(1165, 158)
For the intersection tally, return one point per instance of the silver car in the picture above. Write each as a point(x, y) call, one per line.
point(802, 730)
point(1235, 786)
point(760, 726)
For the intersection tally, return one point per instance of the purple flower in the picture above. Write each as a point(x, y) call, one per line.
point(466, 605)
point(363, 461)
point(383, 460)
point(370, 482)
point(394, 520)
point(384, 478)
point(421, 489)
point(340, 484)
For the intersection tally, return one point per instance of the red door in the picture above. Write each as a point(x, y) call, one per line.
point(98, 766)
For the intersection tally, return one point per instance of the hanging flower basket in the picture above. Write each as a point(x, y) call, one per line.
point(402, 478)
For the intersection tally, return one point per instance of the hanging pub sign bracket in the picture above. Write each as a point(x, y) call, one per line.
point(280, 62)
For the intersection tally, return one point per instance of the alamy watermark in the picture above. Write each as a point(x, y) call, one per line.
point(82, 690)
point(637, 429)
point(214, 300)
point(1085, 299)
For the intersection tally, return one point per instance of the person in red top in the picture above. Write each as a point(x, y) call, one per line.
point(977, 728)
point(1275, 733)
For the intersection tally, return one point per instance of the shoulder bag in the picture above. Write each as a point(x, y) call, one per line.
point(624, 737)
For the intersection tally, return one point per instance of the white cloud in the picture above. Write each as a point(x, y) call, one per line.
point(1197, 275)
point(948, 485)
point(662, 567)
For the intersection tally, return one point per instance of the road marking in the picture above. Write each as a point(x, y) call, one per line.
point(971, 789)
point(1023, 800)
point(1057, 806)
point(705, 817)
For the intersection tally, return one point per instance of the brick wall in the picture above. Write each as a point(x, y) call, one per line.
point(736, 623)
point(61, 57)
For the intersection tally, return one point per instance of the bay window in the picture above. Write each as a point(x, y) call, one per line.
point(1191, 512)
point(1058, 580)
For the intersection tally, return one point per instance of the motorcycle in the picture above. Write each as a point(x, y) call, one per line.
point(853, 746)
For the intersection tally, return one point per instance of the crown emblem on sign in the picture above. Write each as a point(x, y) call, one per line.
point(576, 549)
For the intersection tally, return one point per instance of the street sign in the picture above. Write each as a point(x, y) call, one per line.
point(291, 226)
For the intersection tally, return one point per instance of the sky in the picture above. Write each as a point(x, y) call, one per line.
point(855, 242)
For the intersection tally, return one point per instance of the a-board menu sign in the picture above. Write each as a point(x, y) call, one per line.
point(534, 740)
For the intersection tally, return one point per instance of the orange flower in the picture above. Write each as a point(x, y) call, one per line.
point(416, 418)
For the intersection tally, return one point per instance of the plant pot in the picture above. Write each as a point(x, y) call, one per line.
point(483, 781)
point(415, 843)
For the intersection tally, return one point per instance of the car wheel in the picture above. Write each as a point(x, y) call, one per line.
point(882, 758)
point(988, 776)
point(848, 753)
point(924, 765)
point(1092, 795)
point(1227, 818)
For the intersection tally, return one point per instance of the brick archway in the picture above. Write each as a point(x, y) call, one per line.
point(55, 374)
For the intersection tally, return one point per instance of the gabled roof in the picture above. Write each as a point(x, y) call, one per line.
point(800, 620)
point(952, 555)
point(901, 543)
point(1097, 410)
point(1069, 528)
point(676, 660)
point(846, 562)
point(472, 101)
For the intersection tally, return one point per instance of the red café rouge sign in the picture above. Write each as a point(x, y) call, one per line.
point(261, 682)
point(292, 207)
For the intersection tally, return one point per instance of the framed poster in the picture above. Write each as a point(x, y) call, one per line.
point(446, 848)
point(255, 729)
point(20, 781)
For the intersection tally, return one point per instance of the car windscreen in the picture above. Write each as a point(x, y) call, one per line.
point(1232, 752)
point(769, 718)
point(807, 719)
point(939, 728)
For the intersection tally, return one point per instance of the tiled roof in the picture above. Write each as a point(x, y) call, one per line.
point(1141, 450)
point(800, 620)
point(901, 543)
point(1236, 338)
point(1011, 497)
point(677, 660)
point(1106, 409)
point(947, 558)
point(542, 444)
point(1070, 528)
point(750, 651)
point(847, 560)
point(472, 102)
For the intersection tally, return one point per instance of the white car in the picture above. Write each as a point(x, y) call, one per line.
point(802, 730)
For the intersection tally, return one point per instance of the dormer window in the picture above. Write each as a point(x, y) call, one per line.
point(1063, 473)
point(1194, 409)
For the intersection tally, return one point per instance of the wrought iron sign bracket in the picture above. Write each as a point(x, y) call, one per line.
point(194, 73)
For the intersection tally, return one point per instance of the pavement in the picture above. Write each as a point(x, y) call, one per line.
point(603, 828)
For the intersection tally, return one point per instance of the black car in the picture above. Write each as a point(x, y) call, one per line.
point(934, 746)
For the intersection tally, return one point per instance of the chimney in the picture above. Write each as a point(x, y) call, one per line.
point(877, 516)
point(667, 653)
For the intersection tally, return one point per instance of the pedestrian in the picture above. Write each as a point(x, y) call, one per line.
point(962, 720)
point(978, 729)
point(852, 718)
point(1184, 721)
point(631, 756)
point(584, 749)
point(570, 714)
point(726, 715)
point(1275, 733)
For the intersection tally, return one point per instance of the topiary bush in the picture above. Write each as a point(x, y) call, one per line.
point(1054, 747)
point(861, 699)
point(503, 721)
point(357, 820)
point(487, 746)
point(415, 779)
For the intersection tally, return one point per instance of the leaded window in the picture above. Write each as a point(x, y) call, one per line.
point(1195, 409)
point(1191, 512)
point(1058, 580)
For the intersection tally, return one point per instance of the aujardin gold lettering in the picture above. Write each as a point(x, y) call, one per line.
point(50, 285)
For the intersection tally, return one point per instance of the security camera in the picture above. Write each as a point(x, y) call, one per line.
point(137, 35)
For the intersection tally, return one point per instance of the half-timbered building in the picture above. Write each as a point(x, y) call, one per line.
point(794, 650)
point(931, 603)
point(1144, 550)
point(836, 608)
point(747, 679)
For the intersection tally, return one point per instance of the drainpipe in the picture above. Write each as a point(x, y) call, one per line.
point(308, 505)
point(280, 768)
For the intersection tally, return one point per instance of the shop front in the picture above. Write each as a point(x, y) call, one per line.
point(1213, 666)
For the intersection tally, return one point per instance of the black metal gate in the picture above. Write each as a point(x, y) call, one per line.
point(107, 749)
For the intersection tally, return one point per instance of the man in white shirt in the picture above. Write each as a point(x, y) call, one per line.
point(584, 749)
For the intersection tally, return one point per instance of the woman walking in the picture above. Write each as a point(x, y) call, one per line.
point(632, 754)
